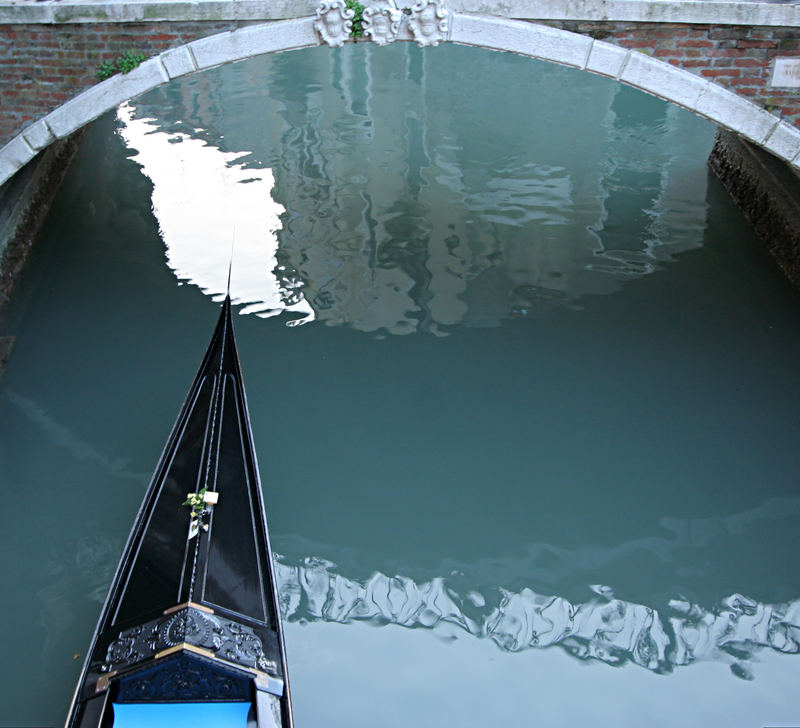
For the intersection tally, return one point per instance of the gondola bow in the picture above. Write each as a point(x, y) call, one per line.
point(192, 613)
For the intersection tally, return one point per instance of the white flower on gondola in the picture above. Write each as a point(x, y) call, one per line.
point(201, 504)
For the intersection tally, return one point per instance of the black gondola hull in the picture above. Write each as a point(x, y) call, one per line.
point(192, 612)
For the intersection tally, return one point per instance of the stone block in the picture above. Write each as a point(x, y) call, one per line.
point(735, 112)
point(664, 80)
point(786, 72)
point(105, 96)
point(13, 156)
point(640, 11)
point(116, 11)
point(606, 59)
point(253, 41)
point(275, 9)
point(38, 135)
point(527, 39)
point(25, 13)
point(720, 12)
point(207, 10)
point(784, 142)
point(8, 169)
point(178, 62)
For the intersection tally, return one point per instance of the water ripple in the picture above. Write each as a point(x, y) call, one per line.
point(404, 205)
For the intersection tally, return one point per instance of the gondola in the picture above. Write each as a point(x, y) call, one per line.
point(191, 618)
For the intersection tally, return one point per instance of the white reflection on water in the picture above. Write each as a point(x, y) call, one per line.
point(206, 205)
point(605, 629)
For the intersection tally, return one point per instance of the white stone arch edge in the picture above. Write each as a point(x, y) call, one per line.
point(634, 68)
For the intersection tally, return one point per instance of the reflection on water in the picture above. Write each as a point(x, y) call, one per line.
point(208, 208)
point(606, 629)
point(398, 211)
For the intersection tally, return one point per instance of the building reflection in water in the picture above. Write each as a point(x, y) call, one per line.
point(209, 208)
point(373, 192)
point(607, 629)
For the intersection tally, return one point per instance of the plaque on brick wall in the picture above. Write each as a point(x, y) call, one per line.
point(786, 73)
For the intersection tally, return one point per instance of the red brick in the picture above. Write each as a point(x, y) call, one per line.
point(695, 44)
point(730, 53)
point(760, 34)
point(756, 44)
point(717, 72)
point(744, 81)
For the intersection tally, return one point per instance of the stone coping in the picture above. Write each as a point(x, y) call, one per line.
point(716, 12)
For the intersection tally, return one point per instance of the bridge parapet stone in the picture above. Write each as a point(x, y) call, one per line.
point(784, 142)
point(179, 62)
point(252, 41)
point(39, 135)
point(607, 60)
point(549, 44)
point(14, 156)
point(732, 111)
point(635, 11)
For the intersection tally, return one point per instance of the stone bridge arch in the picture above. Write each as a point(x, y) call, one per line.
point(634, 68)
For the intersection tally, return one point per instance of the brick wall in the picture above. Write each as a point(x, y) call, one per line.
point(42, 66)
point(739, 58)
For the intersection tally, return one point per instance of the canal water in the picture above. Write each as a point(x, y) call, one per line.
point(524, 390)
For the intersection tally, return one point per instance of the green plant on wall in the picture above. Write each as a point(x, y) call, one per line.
point(358, 18)
point(124, 63)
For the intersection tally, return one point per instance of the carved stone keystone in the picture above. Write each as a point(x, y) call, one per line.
point(334, 22)
point(382, 22)
point(427, 22)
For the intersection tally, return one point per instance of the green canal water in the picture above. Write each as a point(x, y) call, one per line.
point(524, 389)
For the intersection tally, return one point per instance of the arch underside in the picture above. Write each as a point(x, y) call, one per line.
point(692, 92)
